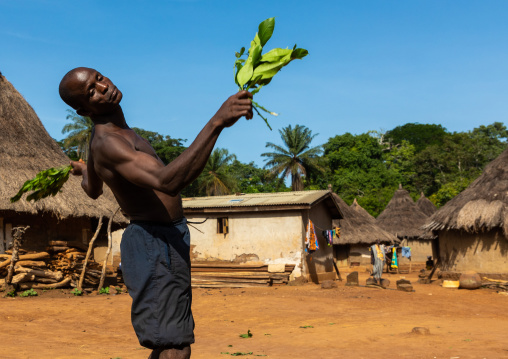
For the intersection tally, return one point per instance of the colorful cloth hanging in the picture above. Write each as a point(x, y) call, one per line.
point(310, 238)
point(394, 258)
point(406, 252)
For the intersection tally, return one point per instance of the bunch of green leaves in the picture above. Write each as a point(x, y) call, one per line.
point(258, 69)
point(104, 290)
point(45, 183)
point(29, 293)
point(77, 292)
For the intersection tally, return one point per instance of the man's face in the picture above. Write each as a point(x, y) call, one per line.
point(95, 93)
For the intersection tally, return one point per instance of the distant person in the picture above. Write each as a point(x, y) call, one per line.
point(155, 246)
point(377, 256)
point(429, 264)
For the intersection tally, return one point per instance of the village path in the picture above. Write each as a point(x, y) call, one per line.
point(286, 322)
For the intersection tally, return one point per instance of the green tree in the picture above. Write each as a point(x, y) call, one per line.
point(295, 158)
point(70, 151)
point(357, 169)
point(165, 147)
point(216, 179)
point(252, 179)
point(79, 134)
point(419, 135)
point(449, 190)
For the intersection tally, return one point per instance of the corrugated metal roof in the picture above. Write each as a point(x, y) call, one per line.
point(256, 199)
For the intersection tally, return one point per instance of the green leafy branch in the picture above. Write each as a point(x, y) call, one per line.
point(45, 183)
point(257, 70)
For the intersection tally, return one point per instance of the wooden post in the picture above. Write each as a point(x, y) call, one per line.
point(18, 240)
point(2, 236)
point(336, 269)
point(90, 246)
point(438, 262)
point(110, 242)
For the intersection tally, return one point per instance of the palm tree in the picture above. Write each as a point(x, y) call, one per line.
point(215, 180)
point(295, 158)
point(80, 133)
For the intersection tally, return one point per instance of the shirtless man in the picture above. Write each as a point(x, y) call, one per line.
point(155, 246)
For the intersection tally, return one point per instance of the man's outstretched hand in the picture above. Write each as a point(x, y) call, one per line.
point(236, 106)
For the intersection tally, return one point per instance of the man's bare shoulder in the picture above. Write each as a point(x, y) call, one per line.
point(112, 145)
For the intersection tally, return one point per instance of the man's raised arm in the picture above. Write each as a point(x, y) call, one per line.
point(145, 171)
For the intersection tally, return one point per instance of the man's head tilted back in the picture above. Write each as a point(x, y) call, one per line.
point(89, 93)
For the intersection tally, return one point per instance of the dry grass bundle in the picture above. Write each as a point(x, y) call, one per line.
point(357, 227)
point(425, 205)
point(402, 217)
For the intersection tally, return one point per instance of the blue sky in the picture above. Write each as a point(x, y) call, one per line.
point(372, 65)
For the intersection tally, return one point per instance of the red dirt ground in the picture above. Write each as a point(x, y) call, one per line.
point(286, 322)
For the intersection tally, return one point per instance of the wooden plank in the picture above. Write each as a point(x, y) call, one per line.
point(220, 280)
point(226, 285)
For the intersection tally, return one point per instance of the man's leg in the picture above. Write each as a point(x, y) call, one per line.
point(174, 353)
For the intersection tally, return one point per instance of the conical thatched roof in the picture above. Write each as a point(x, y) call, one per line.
point(362, 210)
point(356, 227)
point(402, 217)
point(26, 149)
point(425, 205)
point(483, 206)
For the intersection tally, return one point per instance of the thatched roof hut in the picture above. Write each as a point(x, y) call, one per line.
point(362, 211)
point(359, 228)
point(27, 149)
point(472, 228)
point(481, 207)
point(425, 205)
point(402, 217)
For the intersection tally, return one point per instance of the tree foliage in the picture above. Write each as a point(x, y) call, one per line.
point(295, 157)
point(419, 135)
point(79, 132)
point(216, 178)
point(167, 148)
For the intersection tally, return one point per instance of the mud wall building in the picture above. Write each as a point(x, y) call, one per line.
point(268, 228)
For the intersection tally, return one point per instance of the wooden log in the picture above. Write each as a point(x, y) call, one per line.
point(32, 256)
point(20, 250)
point(44, 280)
point(70, 244)
point(35, 285)
point(57, 248)
point(22, 277)
point(41, 273)
point(75, 255)
point(37, 264)
point(58, 243)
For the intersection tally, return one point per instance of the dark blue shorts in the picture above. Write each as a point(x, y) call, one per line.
point(156, 271)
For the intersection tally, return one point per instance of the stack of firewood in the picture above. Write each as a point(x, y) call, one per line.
point(60, 266)
point(70, 263)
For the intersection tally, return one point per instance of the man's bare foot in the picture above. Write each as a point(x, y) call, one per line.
point(173, 353)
